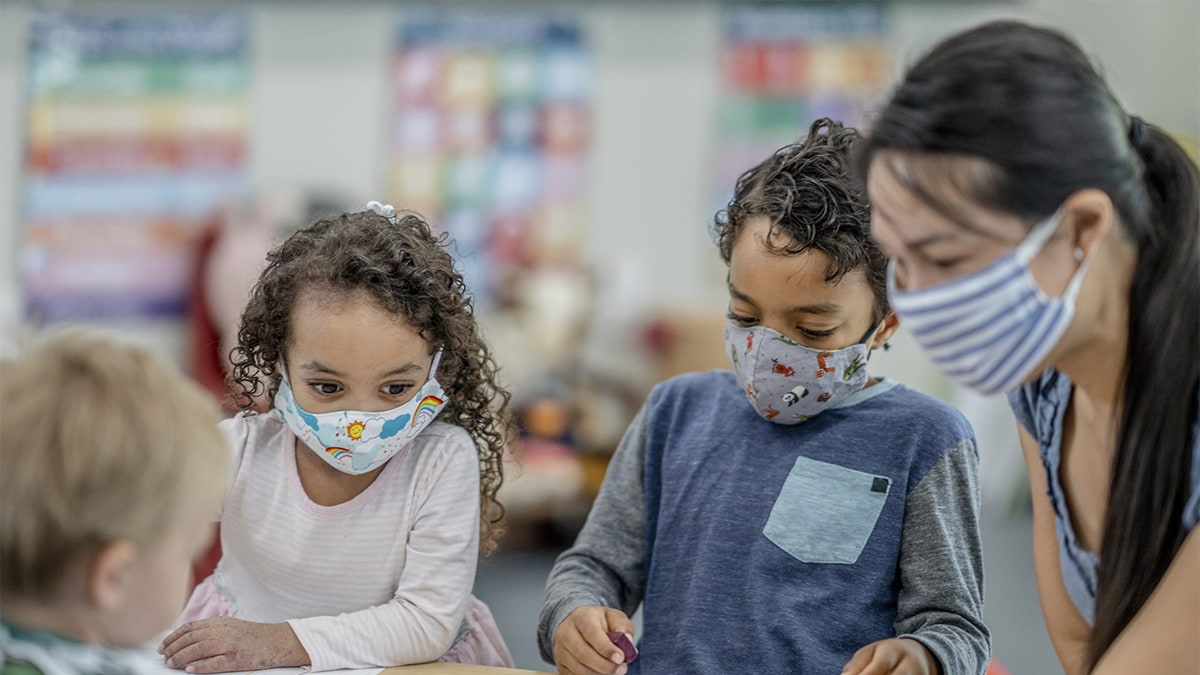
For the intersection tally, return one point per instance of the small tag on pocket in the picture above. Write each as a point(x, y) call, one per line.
point(880, 484)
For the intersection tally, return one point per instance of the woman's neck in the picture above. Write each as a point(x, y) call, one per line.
point(1096, 362)
point(1097, 368)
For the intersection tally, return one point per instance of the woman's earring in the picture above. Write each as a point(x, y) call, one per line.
point(1078, 255)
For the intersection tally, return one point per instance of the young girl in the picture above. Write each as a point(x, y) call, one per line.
point(351, 531)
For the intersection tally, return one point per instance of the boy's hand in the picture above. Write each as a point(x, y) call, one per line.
point(581, 644)
point(897, 656)
point(224, 644)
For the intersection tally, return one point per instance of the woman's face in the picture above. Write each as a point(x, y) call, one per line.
point(928, 248)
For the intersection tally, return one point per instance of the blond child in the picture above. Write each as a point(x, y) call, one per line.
point(112, 470)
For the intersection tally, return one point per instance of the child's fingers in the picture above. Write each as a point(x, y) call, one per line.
point(199, 648)
point(884, 660)
point(596, 635)
point(618, 621)
point(178, 633)
point(587, 657)
point(183, 641)
point(216, 664)
point(569, 664)
point(859, 661)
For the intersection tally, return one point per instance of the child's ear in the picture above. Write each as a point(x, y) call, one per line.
point(112, 575)
point(890, 324)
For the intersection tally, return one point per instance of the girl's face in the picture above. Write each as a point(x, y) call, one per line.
point(927, 248)
point(789, 294)
point(347, 353)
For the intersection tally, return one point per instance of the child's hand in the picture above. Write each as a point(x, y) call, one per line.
point(582, 646)
point(223, 644)
point(897, 656)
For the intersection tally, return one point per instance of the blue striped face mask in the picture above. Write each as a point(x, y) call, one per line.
point(991, 329)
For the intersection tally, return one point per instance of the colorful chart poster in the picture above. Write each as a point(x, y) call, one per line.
point(136, 130)
point(783, 67)
point(490, 135)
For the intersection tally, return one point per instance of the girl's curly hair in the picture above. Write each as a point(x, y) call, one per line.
point(408, 270)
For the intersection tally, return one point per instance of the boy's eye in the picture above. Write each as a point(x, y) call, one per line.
point(815, 333)
point(325, 388)
point(396, 389)
point(741, 320)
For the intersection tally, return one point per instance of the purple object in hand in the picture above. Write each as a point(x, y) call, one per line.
point(622, 640)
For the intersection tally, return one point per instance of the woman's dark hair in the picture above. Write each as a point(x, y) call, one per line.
point(808, 191)
point(408, 271)
point(1028, 105)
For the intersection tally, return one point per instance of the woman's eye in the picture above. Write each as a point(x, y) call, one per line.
point(740, 320)
point(396, 389)
point(946, 265)
point(326, 388)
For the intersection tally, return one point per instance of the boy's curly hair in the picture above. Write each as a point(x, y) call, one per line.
point(809, 191)
point(408, 270)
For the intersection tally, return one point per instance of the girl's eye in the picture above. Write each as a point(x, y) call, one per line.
point(396, 389)
point(325, 388)
point(741, 320)
point(815, 333)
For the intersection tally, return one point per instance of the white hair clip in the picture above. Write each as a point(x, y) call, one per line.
point(386, 210)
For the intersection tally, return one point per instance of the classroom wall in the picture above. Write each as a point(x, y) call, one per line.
point(319, 108)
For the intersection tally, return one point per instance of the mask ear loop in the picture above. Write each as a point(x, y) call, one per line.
point(1036, 240)
point(870, 332)
point(437, 361)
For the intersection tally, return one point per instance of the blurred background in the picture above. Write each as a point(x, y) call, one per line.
point(152, 152)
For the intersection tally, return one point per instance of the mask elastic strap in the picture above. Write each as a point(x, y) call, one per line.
point(437, 360)
point(1037, 237)
point(870, 331)
point(1076, 282)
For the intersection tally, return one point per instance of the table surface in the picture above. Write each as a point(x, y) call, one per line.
point(457, 669)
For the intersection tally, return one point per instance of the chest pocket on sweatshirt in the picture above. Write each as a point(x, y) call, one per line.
point(825, 513)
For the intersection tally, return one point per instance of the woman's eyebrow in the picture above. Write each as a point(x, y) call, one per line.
point(923, 242)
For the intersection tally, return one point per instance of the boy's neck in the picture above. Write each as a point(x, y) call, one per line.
point(70, 623)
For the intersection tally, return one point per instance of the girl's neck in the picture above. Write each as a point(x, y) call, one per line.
point(325, 485)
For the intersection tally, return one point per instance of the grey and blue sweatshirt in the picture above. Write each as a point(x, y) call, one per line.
point(755, 547)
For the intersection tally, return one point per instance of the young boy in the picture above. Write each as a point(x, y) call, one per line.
point(795, 515)
point(113, 469)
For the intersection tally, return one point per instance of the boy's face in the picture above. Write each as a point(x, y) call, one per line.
point(159, 582)
point(789, 293)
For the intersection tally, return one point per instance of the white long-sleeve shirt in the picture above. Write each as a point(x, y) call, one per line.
point(383, 579)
